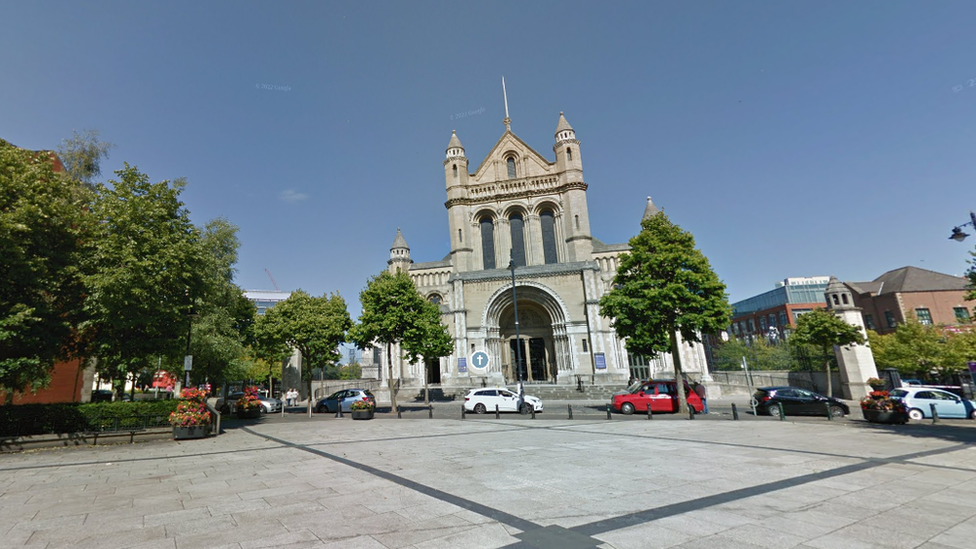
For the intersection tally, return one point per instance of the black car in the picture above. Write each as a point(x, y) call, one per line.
point(797, 402)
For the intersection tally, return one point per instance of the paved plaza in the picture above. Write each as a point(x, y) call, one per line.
point(513, 482)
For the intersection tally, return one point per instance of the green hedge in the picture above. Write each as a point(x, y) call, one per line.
point(39, 419)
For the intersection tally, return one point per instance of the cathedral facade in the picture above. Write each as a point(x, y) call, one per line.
point(520, 213)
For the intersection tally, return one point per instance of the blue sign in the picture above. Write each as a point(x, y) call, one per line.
point(479, 360)
point(601, 361)
point(462, 365)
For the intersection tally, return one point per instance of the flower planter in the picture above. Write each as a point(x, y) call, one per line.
point(196, 431)
point(249, 413)
point(885, 416)
point(362, 414)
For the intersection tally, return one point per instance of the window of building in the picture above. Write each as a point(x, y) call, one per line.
point(869, 322)
point(640, 367)
point(782, 319)
point(762, 324)
point(569, 154)
point(752, 326)
point(460, 237)
point(962, 315)
point(548, 221)
point(772, 320)
point(434, 298)
point(488, 242)
point(577, 221)
point(511, 167)
point(844, 298)
point(518, 239)
point(924, 315)
point(455, 171)
point(836, 301)
point(889, 319)
point(585, 345)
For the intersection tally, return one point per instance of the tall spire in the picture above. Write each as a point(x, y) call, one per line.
point(651, 210)
point(507, 120)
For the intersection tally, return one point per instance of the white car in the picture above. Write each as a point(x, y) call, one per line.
point(484, 400)
point(920, 400)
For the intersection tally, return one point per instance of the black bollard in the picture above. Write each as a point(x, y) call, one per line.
point(570, 408)
point(782, 412)
point(533, 412)
point(496, 412)
point(462, 411)
point(830, 417)
point(608, 411)
point(339, 410)
point(649, 414)
point(691, 412)
point(398, 412)
point(935, 413)
point(735, 412)
point(430, 411)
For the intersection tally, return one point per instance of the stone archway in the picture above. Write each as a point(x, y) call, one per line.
point(542, 333)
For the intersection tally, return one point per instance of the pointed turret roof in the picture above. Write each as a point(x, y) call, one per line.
point(399, 241)
point(455, 143)
point(563, 124)
point(651, 210)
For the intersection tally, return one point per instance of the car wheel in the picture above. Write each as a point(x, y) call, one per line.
point(837, 411)
point(627, 408)
point(480, 408)
point(972, 415)
point(916, 414)
point(320, 409)
point(772, 410)
point(526, 408)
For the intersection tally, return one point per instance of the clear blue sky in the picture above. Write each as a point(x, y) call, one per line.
point(792, 138)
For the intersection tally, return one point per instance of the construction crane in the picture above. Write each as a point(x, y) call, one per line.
point(272, 279)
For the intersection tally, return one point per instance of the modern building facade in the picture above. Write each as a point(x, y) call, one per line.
point(519, 209)
point(773, 313)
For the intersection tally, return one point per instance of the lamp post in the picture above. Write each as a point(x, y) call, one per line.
point(518, 340)
point(957, 234)
point(188, 358)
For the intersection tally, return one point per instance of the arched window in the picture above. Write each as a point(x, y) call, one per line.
point(548, 235)
point(569, 156)
point(488, 242)
point(455, 171)
point(511, 167)
point(518, 239)
point(577, 221)
point(434, 298)
point(460, 237)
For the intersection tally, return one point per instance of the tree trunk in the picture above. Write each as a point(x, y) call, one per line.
point(679, 376)
point(389, 377)
point(309, 383)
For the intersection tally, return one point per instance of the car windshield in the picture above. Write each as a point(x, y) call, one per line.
point(899, 393)
point(635, 386)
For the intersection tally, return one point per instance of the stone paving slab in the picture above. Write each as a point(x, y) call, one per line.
point(322, 482)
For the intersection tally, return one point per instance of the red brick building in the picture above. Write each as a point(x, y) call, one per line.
point(934, 298)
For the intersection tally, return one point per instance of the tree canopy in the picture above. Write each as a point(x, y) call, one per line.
point(393, 311)
point(144, 270)
point(81, 156)
point(42, 227)
point(665, 286)
point(316, 326)
point(823, 329)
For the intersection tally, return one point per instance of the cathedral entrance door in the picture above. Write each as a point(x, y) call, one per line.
point(433, 370)
point(520, 371)
point(537, 359)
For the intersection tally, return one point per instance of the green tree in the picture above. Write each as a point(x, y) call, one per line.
point(761, 355)
point(82, 155)
point(428, 340)
point(353, 370)
point(42, 224)
point(316, 326)
point(665, 287)
point(394, 312)
point(917, 349)
point(143, 271)
point(823, 329)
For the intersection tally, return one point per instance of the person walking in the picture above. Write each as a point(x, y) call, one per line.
point(290, 397)
point(700, 391)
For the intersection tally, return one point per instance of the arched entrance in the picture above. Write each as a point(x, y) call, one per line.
point(541, 334)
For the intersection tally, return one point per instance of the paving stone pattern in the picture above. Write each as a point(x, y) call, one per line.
point(483, 483)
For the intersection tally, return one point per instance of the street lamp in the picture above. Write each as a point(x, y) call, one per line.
point(957, 234)
point(518, 340)
point(188, 359)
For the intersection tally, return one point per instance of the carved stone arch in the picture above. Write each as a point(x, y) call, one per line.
point(540, 293)
point(547, 204)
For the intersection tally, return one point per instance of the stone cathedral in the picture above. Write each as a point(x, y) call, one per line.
point(519, 208)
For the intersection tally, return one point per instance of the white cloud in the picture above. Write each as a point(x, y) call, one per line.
point(292, 196)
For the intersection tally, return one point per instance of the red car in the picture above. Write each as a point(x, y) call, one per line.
point(661, 394)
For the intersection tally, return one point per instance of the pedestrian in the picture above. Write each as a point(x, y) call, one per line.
point(700, 391)
point(288, 397)
point(294, 396)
